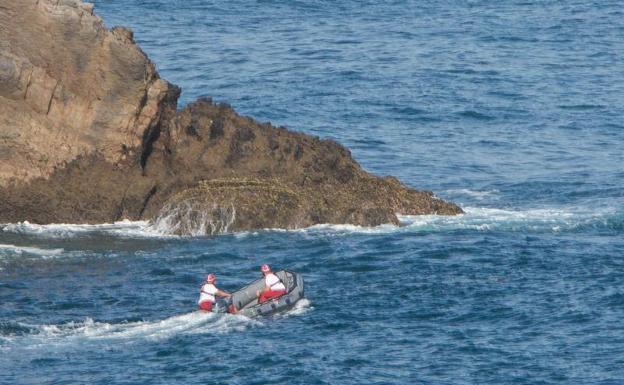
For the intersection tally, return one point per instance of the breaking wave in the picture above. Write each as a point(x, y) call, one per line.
point(132, 229)
point(7, 252)
point(192, 218)
point(189, 222)
point(554, 220)
point(479, 195)
point(488, 219)
point(29, 250)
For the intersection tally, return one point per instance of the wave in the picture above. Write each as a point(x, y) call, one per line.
point(125, 228)
point(475, 218)
point(10, 251)
point(30, 250)
point(490, 219)
point(194, 219)
point(470, 114)
point(480, 195)
point(553, 220)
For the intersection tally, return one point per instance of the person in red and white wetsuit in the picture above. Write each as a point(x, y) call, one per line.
point(209, 292)
point(273, 286)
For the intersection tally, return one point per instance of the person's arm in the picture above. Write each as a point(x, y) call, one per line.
point(222, 293)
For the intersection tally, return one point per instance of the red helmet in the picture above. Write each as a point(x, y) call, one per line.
point(211, 278)
point(265, 268)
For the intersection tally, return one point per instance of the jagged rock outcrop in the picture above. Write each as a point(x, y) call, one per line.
point(90, 133)
point(68, 86)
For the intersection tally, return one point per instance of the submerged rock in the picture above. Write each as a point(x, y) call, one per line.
point(90, 133)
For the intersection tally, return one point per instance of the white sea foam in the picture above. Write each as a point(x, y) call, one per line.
point(89, 330)
point(475, 218)
point(480, 195)
point(127, 332)
point(31, 250)
point(133, 229)
point(302, 306)
point(485, 219)
point(194, 219)
point(482, 219)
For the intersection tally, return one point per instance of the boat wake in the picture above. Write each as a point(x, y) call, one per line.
point(14, 334)
point(301, 307)
point(90, 330)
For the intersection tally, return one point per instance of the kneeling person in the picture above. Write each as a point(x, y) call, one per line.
point(273, 286)
point(209, 292)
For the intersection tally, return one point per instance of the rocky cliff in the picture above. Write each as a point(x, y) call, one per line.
point(90, 133)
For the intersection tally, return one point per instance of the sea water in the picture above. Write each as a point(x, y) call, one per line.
point(512, 109)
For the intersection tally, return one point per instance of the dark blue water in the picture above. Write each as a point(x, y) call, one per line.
point(512, 109)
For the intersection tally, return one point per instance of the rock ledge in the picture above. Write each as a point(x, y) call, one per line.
point(89, 133)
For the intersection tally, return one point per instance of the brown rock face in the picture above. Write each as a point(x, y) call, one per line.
point(90, 133)
point(68, 87)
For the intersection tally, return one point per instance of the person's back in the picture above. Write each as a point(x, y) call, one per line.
point(209, 293)
point(273, 286)
point(272, 281)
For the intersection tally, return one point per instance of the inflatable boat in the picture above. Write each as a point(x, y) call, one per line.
point(246, 301)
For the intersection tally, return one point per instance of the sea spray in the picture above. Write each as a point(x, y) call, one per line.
point(193, 219)
point(188, 217)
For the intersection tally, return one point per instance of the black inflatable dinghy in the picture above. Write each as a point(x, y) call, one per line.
point(246, 301)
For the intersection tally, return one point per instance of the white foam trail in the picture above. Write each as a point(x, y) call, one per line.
point(31, 250)
point(190, 323)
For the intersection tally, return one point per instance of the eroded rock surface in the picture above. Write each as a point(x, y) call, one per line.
point(90, 133)
point(69, 86)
